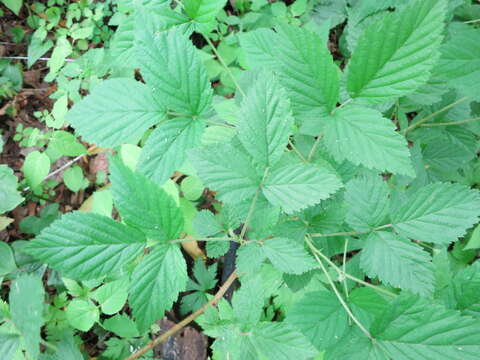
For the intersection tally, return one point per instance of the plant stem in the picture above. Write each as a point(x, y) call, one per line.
point(347, 275)
point(294, 148)
point(344, 267)
point(185, 321)
point(314, 147)
point(351, 233)
point(432, 115)
point(227, 69)
point(26, 58)
point(453, 122)
point(250, 214)
point(339, 296)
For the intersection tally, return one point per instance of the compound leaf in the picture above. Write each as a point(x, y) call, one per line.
point(415, 328)
point(225, 169)
point(144, 204)
point(295, 187)
point(327, 320)
point(363, 136)
point(156, 282)
point(288, 256)
point(117, 111)
point(397, 262)
point(394, 56)
point(86, 246)
point(438, 213)
point(166, 148)
point(171, 67)
point(265, 120)
point(367, 201)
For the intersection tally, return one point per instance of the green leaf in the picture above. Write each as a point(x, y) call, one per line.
point(303, 63)
point(26, 308)
point(82, 314)
point(367, 201)
point(288, 256)
point(66, 144)
point(73, 179)
point(250, 258)
point(327, 320)
point(398, 262)
point(438, 213)
point(192, 188)
point(295, 187)
point(112, 296)
point(117, 111)
point(203, 11)
point(277, 341)
point(122, 326)
point(163, 272)
point(144, 204)
point(474, 240)
point(248, 303)
point(394, 55)
point(363, 136)
point(225, 169)
point(36, 168)
point(166, 148)
point(170, 65)
point(265, 120)
point(9, 196)
point(415, 328)
point(14, 5)
point(9, 344)
point(7, 261)
point(86, 246)
point(459, 62)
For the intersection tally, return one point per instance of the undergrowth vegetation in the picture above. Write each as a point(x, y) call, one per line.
point(287, 179)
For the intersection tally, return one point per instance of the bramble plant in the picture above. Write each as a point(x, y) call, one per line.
point(341, 179)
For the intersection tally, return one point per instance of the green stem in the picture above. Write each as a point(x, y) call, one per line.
point(344, 267)
point(314, 147)
point(453, 122)
point(227, 69)
point(432, 115)
point(351, 233)
point(347, 275)
point(294, 148)
point(252, 207)
point(338, 295)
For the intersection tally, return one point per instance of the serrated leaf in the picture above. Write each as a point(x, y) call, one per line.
point(288, 256)
point(205, 224)
point(277, 341)
point(305, 66)
point(398, 262)
point(122, 326)
point(111, 296)
point(265, 120)
point(26, 307)
point(363, 136)
point(36, 168)
point(144, 204)
point(86, 246)
point(162, 272)
point(166, 148)
point(171, 67)
point(405, 330)
point(117, 111)
point(203, 11)
point(225, 169)
point(327, 321)
point(394, 55)
point(82, 314)
point(250, 258)
point(367, 200)
point(248, 303)
point(9, 195)
point(438, 213)
point(295, 187)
